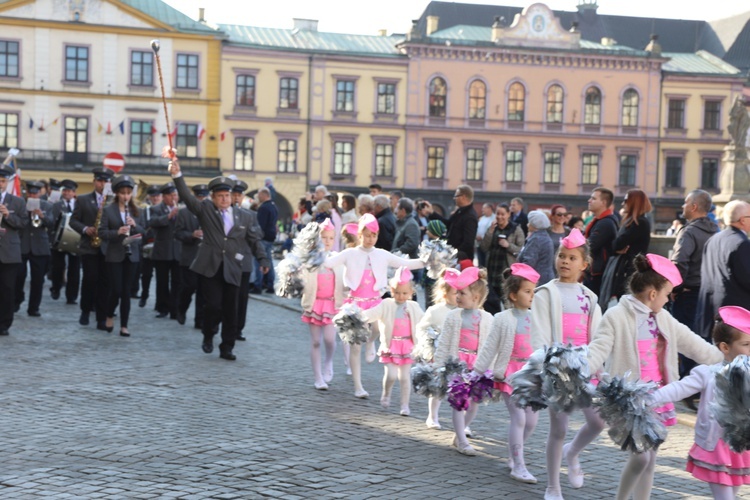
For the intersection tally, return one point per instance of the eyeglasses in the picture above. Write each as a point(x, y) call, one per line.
point(561, 214)
point(457, 196)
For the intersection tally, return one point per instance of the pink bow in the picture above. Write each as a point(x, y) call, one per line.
point(370, 222)
point(327, 225)
point(524, 271)
point(461, 280)
point(574, 240)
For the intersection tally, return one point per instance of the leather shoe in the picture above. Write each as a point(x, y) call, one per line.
point(4, 333)
point(103, 327)
point(71, 303)
point(227, 355)
point(240, 337)
point(162, 315)
point(142, 302)
point(54, 293)
point(270, 290)
point(181, 318)
point(207, 346)
point(255, 290)
point(84, 319)
point(35, 314)
point(124, 333)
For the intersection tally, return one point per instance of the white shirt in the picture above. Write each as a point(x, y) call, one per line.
point(484, 224)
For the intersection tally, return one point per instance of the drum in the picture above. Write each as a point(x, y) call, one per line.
point(66, 239)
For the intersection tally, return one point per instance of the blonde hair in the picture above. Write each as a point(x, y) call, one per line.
point(351, 240)
point(480, 287)
point(440, 289)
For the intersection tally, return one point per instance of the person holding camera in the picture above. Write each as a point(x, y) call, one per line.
point(501, 244)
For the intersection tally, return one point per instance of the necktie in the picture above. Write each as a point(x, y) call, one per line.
point(228, 223)
point(70, 209)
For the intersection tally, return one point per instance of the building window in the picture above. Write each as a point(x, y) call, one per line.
point(438, 93)
point(552, 166)
point(287, 161)
point(593, 107)
point(186, 141)
point(710, 173)
point(142, 68)
point(676, 117)
point(141, 138)
point(8, 130)
point(516, 102)
point(387, 98)
point(674, 172)
point(76, 64)
point(244, 149)
point(555, 104)
point(9, 58)
point(187, 71)
point(627, 170)
point(435, 162)
point(288, 91)
point(513, 165)
point(590, 169)
point(474, 164)
point(344, 95)
point(245, 93)
point(477, 100)
point(630, 108)
point(712, 115)
point(384, 160)
point(343, 157)
point(76, 136)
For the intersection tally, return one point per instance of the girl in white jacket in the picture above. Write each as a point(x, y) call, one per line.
point(710, 459)
point(366, 276)
point(397, 318)
point(321, 298)
point(640, 337)
point(566, 311)
point(506, 350)
point(463, 334)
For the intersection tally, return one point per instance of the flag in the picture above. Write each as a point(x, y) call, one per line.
point(109, 128)
point(153, 129)
point(121, 126)
point(17, 183)
point(31, 122)
point(41, 127)
point(99, 127)
point(223, 136)
point(173, 133)
point(201, 132)
point(54, 122)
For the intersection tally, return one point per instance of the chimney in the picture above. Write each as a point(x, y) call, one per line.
point(653, 46)
point(414, 31)
point(608, 42)
point(201, 15)
point(574, 27)
point(382, 32)
point(305, 24)
point(432, 24)
point(587, 6)
point(497, 28)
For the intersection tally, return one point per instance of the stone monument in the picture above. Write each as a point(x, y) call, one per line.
point(735, 166)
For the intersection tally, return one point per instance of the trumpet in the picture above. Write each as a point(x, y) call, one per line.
point(36, 221)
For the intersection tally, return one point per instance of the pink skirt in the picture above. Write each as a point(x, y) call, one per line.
point(399, 353)
point(321, 314)
point(513, 367)
point(364, 304)
point(721, 466)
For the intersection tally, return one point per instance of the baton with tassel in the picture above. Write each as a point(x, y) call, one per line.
point(155, 46)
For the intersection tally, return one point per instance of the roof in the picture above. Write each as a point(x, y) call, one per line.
point(700, 63)
point(168, 15)
point(312, 41)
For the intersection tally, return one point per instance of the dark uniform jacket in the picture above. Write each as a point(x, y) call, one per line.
point(187, 222)
point(84, 215)
point(247, 262)
point(110, 225)
point(35, 240)
point(165, 245)
point(10, 241)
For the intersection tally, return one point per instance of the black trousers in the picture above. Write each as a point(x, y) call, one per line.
point(94, 287)
point(167, 286)
point(8, 274)
point(120, 276)
point(39, 265)
point(147, 272)
point(684, 308)
point(242, 302)
point(135, 283)
point(191, 284)
point(221, 307)
point(72, 279)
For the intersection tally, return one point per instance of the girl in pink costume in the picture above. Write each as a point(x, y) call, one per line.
point(565, 311)
point(366, 276)
point(507, 349)
point(444, 301)
point(349, 239)
point(640, 337)
point(463, 334)
point(710, 459)
point(397, 318)
point(322, 296)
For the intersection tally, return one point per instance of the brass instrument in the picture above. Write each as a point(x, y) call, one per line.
point(96, 241)
point(128, 250)
point(36, 221)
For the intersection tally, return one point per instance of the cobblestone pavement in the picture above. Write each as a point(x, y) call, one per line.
point(87, 414)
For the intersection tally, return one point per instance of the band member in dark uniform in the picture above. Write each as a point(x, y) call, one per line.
point(238, 193)
point(189, 233)
point(35, 250)
point(219, 259)
point(85, 221)
point(166, 253)
point(147, 265)
point(65, 205)
point(121, 221)
point(12, 219)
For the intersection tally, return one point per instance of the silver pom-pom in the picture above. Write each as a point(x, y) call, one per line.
point(731, 405)
point(566, 380)
point(527, 382)
point(426, 380)
point(626, 406)
point(309, 248)
point(289, 283)
point(351, 325)
point(437, 256)
point(424, 351)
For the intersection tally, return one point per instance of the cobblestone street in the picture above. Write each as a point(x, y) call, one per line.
point(89, 414)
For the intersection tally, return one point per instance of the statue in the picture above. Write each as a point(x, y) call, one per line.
point(739, 123)
point(735, 167)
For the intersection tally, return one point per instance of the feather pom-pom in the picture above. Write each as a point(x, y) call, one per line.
point(351, 325)
point(467, 387)
point(289, 282)
point(424, 351)
point(527, 382)
point(437, 256)
point(566, 380)
point(626, 406)
point(731, 405)
point(309, 248)
point(426, 380)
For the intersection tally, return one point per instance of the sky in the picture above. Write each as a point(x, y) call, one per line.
point(366, 17)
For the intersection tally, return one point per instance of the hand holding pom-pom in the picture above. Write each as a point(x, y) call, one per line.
point(527, 382)
point(309, 248)
point(426, 380)
point(351, 325)
point(437, 256)
point(566, 379)
point(731, 406)
point(289, 283)
point(469, 387)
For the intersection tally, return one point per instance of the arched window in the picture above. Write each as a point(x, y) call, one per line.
point(630, 108)
point(477, 99)
point(438, 91)
point(555, 104)
point(516, 102)
point(593, 110)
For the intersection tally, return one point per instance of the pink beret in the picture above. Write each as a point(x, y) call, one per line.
point(461, 280)
point(736, 316)
point(574, 240)
point(524, 271)
point(327, 225)
point(352, 228)
point(403, 275)
point(370, 222)
point(665, 267)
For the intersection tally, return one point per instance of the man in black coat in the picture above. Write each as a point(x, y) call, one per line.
point(462, 224)
point(386, 221)
point(35, 250)
point(166, 253)
point(64, 208)
point(189, 233)
point(12, 219)
point(601, 233)
point(518, 215)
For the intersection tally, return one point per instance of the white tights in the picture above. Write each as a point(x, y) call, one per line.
point(522, 424)
point(723, 492)
point(461, 420)
point(558, 427)
point(327, 334)
point(403, 373)
point(433, 405)
point(637, 476)
point(355, 360)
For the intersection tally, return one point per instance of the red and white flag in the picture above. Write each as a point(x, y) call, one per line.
point(201, 132)
point(223, 136)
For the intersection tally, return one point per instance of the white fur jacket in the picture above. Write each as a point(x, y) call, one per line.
point(450, 335)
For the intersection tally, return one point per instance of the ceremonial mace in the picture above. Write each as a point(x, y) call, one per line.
point(155, 47)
